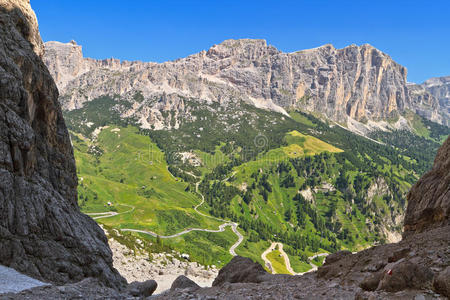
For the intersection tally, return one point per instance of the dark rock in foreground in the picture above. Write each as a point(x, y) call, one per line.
point(182, 282)
point(142, 289)
point(240, 269)
point(42, 231)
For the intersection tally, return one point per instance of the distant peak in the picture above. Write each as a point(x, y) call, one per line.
point(242, 42)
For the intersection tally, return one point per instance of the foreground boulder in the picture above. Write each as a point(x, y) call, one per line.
point(240, 269)
point(182, 282)
point(442, 282)
point(334, 257)
point(42, 231)
point(142, 289)
point(405, 275)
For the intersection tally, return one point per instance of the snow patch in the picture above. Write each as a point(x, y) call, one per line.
point(12, 281)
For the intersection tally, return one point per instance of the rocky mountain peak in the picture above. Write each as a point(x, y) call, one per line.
point(245, 49)
point(437, 81)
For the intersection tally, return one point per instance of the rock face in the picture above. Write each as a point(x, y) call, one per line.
point(429, 199)
point(42, 231)
point(354, 83)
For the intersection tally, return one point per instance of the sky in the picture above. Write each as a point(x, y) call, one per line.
point(415, 34)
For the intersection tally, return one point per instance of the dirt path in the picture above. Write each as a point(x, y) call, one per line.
point(108, 214)
point(287, 261)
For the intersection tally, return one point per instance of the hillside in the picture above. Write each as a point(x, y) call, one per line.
point(309, 184)
point(416, 267)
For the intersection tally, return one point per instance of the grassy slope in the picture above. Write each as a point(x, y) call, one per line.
point(298, 265)
point(131, 170)
point(277, 261)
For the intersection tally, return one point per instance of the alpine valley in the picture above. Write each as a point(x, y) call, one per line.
point(246, 150)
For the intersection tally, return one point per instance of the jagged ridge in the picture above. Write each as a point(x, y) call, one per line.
point(356, 82)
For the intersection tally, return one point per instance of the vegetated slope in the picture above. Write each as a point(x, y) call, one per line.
point(305, 182)
point(416, 267)
point(123, 171)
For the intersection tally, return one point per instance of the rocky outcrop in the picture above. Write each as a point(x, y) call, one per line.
point(429, 199)
point(354, 83)
point(42, 231)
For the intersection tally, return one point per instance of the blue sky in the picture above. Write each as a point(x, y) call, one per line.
point(416, 34)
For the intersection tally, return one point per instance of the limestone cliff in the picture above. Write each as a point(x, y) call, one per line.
point(42, 231)
point(354, 83)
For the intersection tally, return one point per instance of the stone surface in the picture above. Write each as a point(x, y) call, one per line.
point(404, 275)
point(142, 289)
point(182, 282)
point(442, 282)
point(429, 199)
point(135, 265)
point(240, 269)
point(354, 83)
point(334, 257)
point(42, 231)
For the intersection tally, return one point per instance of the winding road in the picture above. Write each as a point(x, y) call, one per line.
point(222, 227)
point(287, 262)
point(108, 214)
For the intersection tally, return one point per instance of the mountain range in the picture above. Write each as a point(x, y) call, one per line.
point(359, 87)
